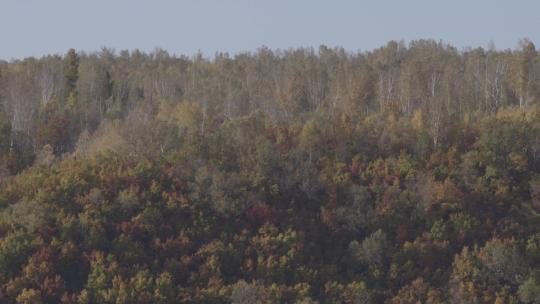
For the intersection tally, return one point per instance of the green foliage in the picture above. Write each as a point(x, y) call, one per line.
point(15, 248)
point(529, 291)
point(71, 71)
point(373, 250)
point(26, 214)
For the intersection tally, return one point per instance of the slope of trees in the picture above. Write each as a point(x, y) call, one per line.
point(409, 174)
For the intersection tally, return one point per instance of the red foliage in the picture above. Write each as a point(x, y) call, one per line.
point(260, 214)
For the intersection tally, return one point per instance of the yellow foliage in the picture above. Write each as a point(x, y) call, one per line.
point(29, 296)
point(417, 120)
point(186, 115)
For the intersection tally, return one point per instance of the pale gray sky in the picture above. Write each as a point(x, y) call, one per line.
point(37, 27)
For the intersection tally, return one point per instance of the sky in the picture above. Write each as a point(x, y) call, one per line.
point(40, 27)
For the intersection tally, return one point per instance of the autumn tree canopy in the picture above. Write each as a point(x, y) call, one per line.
point(406, 174)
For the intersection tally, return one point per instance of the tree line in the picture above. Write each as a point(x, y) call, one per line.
point(53, 100)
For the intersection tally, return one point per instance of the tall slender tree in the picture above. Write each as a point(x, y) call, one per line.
point(71, 71)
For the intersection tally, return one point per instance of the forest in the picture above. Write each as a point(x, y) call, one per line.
point(404, 174)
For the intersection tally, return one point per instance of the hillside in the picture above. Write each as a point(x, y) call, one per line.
point(408, 174)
